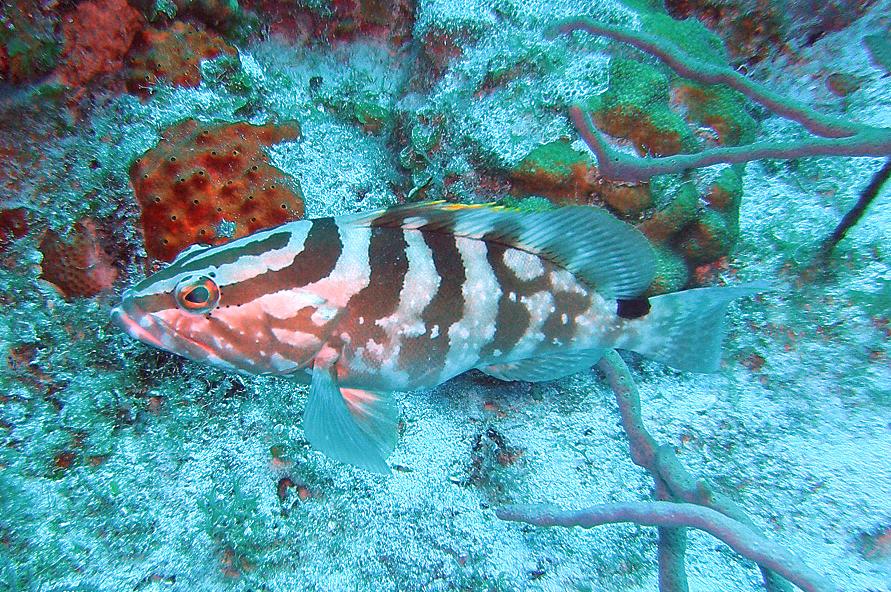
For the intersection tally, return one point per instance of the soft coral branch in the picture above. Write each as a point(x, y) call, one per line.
point(684, 501)
point(737, 536)
point(672, 481)
point(834, 136)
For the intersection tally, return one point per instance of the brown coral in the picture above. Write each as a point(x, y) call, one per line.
point(97, 36)
point(78, 266)
point(172, 55)
point(636, 125)
point(13, 225)
point(210, 183)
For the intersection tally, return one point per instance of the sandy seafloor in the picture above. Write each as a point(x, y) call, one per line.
point(802, 443)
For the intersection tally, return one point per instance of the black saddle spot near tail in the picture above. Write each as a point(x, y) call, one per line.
point(633, 308)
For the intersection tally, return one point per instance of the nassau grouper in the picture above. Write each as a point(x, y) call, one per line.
point(406, 298)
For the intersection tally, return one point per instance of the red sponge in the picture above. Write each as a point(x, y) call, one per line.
point(200, 175)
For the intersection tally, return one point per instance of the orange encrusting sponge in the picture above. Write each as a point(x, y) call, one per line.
point(173, 55)
point(78, 266)
point(200, 175)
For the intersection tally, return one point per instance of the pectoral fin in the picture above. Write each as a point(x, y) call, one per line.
point(354, 426)
point(545, 368)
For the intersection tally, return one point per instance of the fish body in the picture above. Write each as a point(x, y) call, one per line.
point(407, 298)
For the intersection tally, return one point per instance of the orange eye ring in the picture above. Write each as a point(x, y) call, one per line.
point(198, 295)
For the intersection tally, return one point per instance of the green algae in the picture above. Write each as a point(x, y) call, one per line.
point(555, 161)
point(640, 92)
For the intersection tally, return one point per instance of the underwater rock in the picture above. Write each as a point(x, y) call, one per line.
point(751, 30)
point(841, 84)
point(707, 239)
point(221, 15)
point(209, 183)
point(879, 47)
point(721, 109)
point(97, 36)
point(373, 117)
point(13, 225)
point(77, 265)
point(343, 20)
point(672, 273)
point(490, 454)
point(554, 169)
point(172, 55)
point(567, 175)
point(754, 30)
point(667, 222)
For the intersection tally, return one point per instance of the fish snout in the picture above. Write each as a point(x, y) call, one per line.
point(135, 322)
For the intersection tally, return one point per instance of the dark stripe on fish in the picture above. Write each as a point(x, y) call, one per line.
point(513, 318)
point(445, 308)
point(321, 250)
point(388, 261)
point(224, 256)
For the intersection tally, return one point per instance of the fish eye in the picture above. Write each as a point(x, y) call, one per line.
point(198, 295)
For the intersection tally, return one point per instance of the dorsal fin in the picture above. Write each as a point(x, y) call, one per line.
point(609, 255)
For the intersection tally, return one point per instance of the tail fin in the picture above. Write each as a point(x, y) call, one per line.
point(685, 329)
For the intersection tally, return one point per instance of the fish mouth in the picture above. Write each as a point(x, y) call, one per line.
point(137, 324)
point(151, 330)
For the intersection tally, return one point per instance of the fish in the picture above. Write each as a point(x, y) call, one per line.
point(362, 305)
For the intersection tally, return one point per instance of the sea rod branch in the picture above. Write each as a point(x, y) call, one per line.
point(737, 536)
point(836, 136)
point(674, 484)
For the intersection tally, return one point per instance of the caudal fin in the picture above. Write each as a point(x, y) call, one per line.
point(685, 329)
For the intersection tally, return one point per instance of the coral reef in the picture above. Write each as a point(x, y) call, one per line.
point(29, 43)
point(13, 225)
point(128, 468)
point(755, 30)
point(341, 20)
point(831, 136)
point(210, 183)
point(77, 264)
point(224, 16)
point(172, 55)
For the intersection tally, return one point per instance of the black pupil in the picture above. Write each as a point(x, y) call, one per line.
point(199, 295)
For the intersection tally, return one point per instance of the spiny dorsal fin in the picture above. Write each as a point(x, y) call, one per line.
point(611, 256)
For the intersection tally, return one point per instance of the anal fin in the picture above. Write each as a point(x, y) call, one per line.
point(544, 368)
point(354, 426)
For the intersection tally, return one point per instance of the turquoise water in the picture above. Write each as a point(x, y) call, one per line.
point(127, 468)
